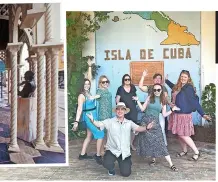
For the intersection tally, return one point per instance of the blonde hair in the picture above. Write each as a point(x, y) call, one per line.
point(100, 80)
point(178, 85)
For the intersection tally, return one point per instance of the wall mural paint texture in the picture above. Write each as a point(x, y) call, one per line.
point(171, 37)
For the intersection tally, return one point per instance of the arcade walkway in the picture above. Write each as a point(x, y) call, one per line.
point(28, 154)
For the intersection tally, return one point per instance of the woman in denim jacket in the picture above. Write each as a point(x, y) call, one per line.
point(180, 122)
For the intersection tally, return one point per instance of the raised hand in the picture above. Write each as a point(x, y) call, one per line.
point(89, 62)
point(166, 77)
point(145, 73)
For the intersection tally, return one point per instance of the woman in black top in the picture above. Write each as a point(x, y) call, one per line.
point(124, 94)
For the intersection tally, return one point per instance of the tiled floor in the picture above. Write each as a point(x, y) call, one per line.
point(28, 154)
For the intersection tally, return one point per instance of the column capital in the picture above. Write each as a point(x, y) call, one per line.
point(40, 49)
point(54, 48)
point(14, 47)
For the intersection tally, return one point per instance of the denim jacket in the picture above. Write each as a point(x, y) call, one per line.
point(186, 99)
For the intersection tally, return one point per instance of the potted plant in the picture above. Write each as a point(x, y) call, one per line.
point(206, 133)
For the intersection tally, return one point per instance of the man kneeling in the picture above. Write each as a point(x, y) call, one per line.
point(118, 139)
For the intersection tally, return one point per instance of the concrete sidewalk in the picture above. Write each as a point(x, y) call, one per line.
point(203, 169)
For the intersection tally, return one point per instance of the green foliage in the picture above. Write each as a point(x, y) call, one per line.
point(209, 101)
point(79, 26)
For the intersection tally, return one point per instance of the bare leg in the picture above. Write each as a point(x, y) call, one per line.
point(86, 142)
point(183, 144)
point(172, 167)
point(190, 143)
point(99, 146)
point(162, 124)
point(104, 145)
point(169, 160)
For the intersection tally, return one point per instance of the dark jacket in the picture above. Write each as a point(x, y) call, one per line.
point(28, 89)
point(186, 99)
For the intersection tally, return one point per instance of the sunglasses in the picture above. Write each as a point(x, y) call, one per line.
point(185, 71)
point(103, 82)
point(127, 79)
point(157, 90)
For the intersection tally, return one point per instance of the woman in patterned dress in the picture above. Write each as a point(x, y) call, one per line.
point(104, 100)
point(180, 122)
point(151, 143)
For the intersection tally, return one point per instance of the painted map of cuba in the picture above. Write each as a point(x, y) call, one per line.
point(177, 34)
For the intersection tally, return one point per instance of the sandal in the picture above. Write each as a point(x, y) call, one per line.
point(181, 154)
point(174, 168)
point(195, 158)
point(153, 162)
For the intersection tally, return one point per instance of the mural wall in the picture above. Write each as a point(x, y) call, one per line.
point(169, 37)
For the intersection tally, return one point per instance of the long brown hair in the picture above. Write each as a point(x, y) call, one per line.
point(82, 90)
point(162, 96)
point(178, 85)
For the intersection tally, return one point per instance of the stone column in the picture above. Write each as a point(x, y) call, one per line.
point(48, 23)
point(40, 50)
point(14, 48)
point(54, 146)
point(34, 69)
point(48, 40)
point(9, 81)
point(48, 97)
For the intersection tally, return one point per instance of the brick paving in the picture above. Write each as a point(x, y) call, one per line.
point(203, 169)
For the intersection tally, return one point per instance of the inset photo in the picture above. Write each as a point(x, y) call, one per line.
point(141, 95)
point(32, 89)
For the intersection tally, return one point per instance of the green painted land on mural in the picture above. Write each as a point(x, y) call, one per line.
point(177, 34)
point(161, 19)
point(161, 22)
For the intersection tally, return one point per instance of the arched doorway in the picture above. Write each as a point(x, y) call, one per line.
point(23, 64)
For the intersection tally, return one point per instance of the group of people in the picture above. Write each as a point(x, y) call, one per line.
point(151, 140)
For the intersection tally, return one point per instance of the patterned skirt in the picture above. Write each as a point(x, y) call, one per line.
point(151, 143)
point(181, 124)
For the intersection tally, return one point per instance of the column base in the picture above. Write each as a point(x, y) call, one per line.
point(40, 146)
point(13, 148)
point(56, 148)
point(46, 141)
